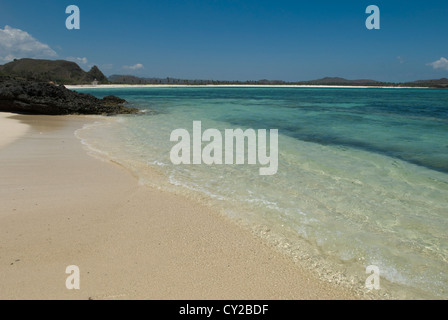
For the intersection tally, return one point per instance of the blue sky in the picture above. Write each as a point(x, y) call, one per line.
point(235, 40)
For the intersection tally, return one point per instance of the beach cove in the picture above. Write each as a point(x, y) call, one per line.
point(61, 207)
point(342, 200)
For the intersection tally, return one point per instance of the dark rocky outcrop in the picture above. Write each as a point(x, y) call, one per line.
point(22, 96)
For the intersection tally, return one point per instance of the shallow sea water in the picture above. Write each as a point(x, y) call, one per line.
point(362, 177)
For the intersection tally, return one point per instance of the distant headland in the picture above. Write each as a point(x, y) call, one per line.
point(69, 73)
point(38, 86)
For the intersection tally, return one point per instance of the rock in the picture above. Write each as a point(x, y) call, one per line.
point(23, 96)
point(113, 99)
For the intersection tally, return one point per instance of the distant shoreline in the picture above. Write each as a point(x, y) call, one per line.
point(118, 86)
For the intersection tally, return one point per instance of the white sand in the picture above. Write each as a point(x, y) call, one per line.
point(10, 129)
point(61, 207)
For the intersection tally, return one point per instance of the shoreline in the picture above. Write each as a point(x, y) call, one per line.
point(119, 86)
point(61, 206)
point(10, 129)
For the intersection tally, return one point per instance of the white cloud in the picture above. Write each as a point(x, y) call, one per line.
point(400, 59)
point(16, 43)
point(135, 67)
point(78, 60)
point(442, 63)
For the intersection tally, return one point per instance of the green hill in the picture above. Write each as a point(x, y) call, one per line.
point(95, 73)
point(433, 83)
point(58, 71)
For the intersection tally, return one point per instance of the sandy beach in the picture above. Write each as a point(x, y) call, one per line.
point(61, 207)
point(10, 129)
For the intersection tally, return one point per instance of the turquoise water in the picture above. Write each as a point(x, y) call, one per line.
point(362, 177)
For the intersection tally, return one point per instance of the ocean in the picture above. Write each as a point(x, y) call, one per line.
point(362, 176)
